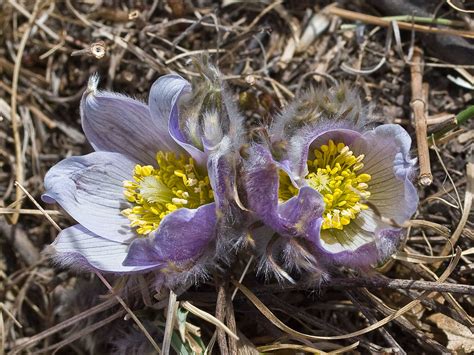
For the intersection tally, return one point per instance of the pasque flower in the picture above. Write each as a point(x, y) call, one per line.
point(160, 185)
point(325, 176)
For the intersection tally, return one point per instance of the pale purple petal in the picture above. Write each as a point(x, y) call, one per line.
point(80, 249)
point(222, 171)
point(300, 148)
point(116, 123)
point(354, 235)
point(301, 210)
point(233, 219)
point(387, 161)
point(181, 239)
point(368, 239)
point(163, 102)
point(164, 96)
point(377, 247)
point(261, 182)
point(90, 189)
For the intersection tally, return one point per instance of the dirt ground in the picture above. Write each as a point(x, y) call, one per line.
point(416, 71)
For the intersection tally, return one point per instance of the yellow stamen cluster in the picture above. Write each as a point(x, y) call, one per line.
point(335, 174)
point(156, 192)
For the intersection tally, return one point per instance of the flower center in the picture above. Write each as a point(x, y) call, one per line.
point(334, 173)
point(156, 192)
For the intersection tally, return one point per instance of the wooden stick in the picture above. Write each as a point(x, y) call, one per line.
point(425, 90)
point(374, 20)
point(376, 282)
point(418, 106)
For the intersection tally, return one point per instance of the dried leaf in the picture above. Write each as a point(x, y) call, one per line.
point(459, 336)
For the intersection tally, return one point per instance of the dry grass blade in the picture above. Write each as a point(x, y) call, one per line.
point(194, 53)
point(345, 349)
point(278, 323)
point(28, 211)
point(466, 209)
point(61, 326)
point(81, 333)
point(170, 320)
point(32, 18)
point(2, 335)
point(269, 54)
point(428, 224)
point(9, 314)
point(282, 347)
point(19, 167)
point(427, 259)
point(268, 348)
point(41, 209)
point(208, 318)
point(457, 8)
point(130, 312)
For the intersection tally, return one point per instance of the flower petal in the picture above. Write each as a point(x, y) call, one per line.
point(300, 149)
point(80, 249)
point(261, 181)
point(90, 189)
point(364, 252)
point(302, 210)
point(387, 161)
point(233, 219)
point(163, 102)
point(368, 239)
point(182, 237)
point(356, 234)
point(116, 123)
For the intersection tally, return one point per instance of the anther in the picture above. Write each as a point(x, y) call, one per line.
point(180, 201)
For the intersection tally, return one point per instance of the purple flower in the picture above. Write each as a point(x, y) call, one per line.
point(160, 185)
point(326, 176)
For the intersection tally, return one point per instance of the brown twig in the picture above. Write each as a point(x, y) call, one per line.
point(231, 323)
point(394, 284)
point(211, 343)
point(374, 20)
point(220, 314)
point(418, 106)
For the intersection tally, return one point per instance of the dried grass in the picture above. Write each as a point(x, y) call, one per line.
point(48, 51)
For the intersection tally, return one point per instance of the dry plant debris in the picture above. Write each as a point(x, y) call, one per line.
point(421, 300)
